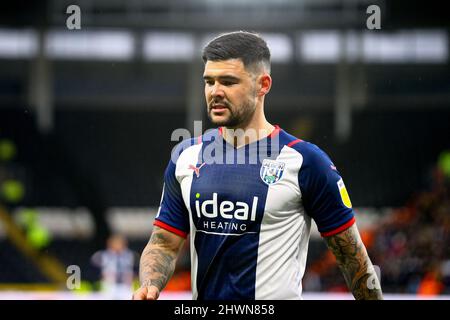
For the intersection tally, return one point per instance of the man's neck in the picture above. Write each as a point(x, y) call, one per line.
point(254, 131)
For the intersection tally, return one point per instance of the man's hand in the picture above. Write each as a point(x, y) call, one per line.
point(146, 293)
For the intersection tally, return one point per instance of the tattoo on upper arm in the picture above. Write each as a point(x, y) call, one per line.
point(158, 238)
point(354, 262)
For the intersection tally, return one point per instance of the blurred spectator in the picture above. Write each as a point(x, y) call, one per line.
point(412, 244)
point(431, 284)
point(117, 268)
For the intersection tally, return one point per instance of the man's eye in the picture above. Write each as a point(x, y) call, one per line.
point(227, 83)
point(209, 82)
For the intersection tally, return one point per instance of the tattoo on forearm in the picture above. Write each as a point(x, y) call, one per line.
point(354, 262)
point(157, 262)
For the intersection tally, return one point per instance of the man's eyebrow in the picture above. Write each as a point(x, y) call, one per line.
point(225, 77)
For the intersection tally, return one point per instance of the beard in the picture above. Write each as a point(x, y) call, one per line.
point(238, 116)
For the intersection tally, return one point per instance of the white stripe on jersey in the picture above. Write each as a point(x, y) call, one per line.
point(284, 236)
point(189, 156)
point(160, 202)
point(194, 258)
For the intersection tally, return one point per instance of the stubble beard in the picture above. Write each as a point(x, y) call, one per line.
point(238, 117)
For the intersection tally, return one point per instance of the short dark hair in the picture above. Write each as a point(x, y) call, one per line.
point(247, 46)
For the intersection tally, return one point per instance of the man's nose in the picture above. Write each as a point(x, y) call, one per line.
point(217, 91)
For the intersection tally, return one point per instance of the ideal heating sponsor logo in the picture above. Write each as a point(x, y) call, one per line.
point(225, 217)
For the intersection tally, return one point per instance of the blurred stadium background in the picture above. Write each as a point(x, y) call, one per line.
point(86, 118)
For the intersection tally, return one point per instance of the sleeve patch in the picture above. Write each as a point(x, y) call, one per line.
point(344, 194)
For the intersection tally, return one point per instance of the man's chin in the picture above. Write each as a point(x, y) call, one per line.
point(219, 121)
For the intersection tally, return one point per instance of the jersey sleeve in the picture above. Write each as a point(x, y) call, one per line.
point(172, 213)
point(324, 195)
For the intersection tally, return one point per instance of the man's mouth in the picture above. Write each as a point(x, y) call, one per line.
point(217, 107)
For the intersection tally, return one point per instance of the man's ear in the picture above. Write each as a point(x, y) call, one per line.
point(265, 83)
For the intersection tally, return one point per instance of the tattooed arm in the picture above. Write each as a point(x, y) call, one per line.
point(157, 263)
point(355, 264)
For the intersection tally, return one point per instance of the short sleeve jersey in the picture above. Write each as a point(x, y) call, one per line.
point(248, 212)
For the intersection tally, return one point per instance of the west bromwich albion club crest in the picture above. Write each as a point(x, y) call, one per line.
point(271, 171)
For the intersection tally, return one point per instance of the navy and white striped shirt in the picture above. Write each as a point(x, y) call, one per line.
point(248, 212)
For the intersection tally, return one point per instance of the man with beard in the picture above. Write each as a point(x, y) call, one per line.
point(249, 218)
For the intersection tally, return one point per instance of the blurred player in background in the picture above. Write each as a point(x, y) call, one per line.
point(116, 264)
point(249, 222)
